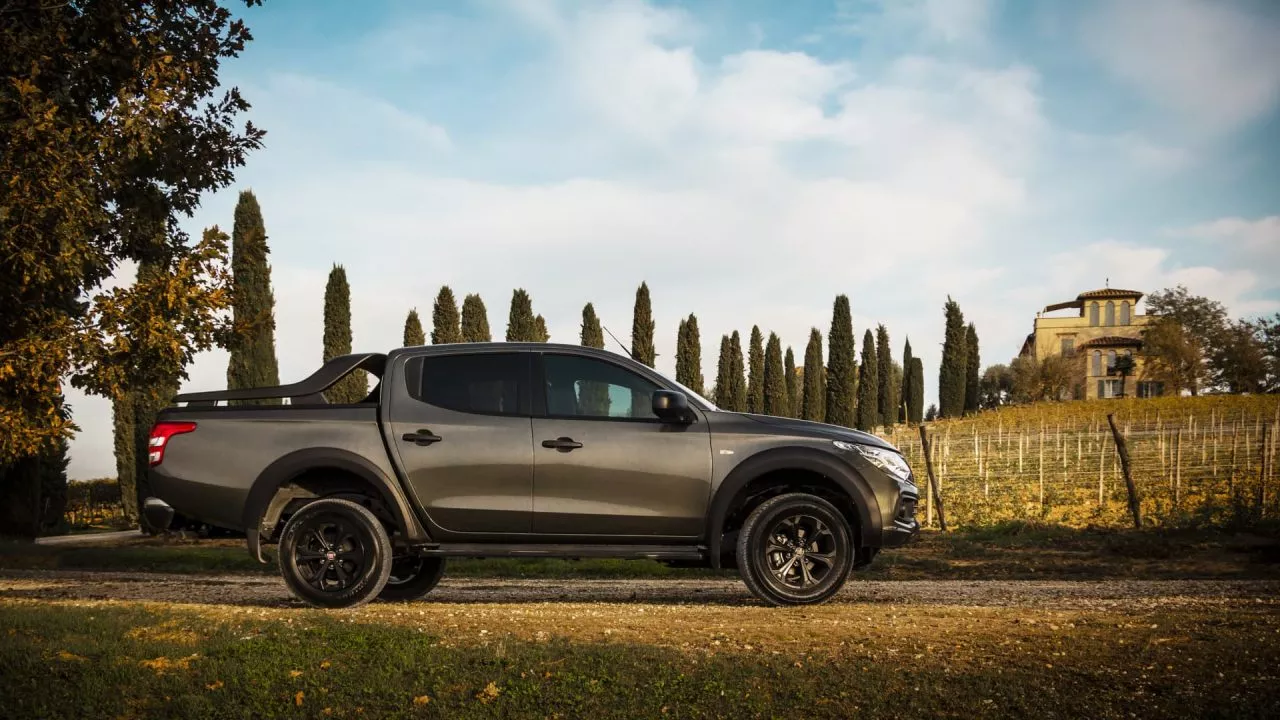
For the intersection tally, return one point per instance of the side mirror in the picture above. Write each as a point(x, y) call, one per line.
point(672, 407)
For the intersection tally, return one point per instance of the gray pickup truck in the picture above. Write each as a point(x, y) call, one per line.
point(523, 450)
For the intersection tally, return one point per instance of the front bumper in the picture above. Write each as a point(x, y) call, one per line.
point(904, 526)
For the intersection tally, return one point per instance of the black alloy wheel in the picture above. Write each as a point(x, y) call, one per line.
point(335, 553)
point(795, 549)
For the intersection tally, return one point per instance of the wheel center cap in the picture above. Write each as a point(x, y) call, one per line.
point(799, 552)
point(330, 555)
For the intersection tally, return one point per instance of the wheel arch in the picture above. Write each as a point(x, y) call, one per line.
point(780, 470)
point(322, 472)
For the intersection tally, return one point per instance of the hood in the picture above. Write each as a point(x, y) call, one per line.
point(808, 428)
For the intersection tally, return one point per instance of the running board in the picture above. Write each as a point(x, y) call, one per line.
point(651, 552)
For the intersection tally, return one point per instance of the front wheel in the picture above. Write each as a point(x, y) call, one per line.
point(412, 576)
point(335, 554)
point(795, 549)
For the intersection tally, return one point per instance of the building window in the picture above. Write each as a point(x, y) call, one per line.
point(1097, 362)
point(1110, 389)
point(1068, 346)
point(1093, 314)
point(1111, 313)
point(1124, 313)
point(1111, 361)
point(1150, 389)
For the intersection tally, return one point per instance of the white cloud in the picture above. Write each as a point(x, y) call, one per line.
point(944, 21)
point(1217, 63)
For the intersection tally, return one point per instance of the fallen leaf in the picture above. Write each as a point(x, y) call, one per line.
point(215, 685)
point(421, 700)
point(297, 699)
point(489, 693)
point(69, 656)
point(325, 665)
point(295, 673)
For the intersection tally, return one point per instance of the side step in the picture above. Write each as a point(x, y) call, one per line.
point(651, 552)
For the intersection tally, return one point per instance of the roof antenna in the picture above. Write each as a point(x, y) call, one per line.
point(615, 339)
point(1108, 283)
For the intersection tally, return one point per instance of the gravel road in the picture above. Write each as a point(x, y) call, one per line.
point(269, 591)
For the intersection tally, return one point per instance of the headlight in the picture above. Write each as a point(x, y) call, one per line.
point(887, 460)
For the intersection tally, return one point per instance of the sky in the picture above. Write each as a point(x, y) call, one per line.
point(750, 160)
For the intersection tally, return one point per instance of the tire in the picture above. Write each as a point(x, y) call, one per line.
point(780, 544)
point(335, 554)
point(412, 576)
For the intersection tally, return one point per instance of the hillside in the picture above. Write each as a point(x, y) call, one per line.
point(1209, 458)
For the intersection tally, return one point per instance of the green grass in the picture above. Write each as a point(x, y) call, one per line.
point(126, 660)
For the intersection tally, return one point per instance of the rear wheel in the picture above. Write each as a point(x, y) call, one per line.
point(795, 549)
point(412, 576)
point(335, 554)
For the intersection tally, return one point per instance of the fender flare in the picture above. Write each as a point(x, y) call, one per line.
point(287, 468)
point(847, 478)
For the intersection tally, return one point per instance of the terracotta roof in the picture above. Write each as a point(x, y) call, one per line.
point(1108, 293)
point(1112, 341)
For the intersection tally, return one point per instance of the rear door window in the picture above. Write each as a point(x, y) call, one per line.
point(483, 384)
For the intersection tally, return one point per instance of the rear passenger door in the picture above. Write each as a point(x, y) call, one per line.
point(460, 424)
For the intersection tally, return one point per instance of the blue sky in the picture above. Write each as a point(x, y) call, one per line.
point(751, 160)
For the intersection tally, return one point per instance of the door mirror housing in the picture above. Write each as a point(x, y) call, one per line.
point(672, 407)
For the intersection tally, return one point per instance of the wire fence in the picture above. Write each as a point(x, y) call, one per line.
point(1216, 466)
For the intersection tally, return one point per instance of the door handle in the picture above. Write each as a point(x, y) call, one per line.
point(563, 444)
point(422, 437)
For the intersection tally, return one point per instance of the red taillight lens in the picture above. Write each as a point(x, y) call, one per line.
point(160, 434)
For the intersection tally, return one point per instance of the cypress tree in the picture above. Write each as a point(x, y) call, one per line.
point(813, 405)
point(972, 361)
point(689, 354)
point(122, 428)
point(724, 385)
point(521, 325)
point(842, 365)
point(53, 483)
point(884, 376)
point(896, 375)
point(737, 375)
point(146, 403)
point(868, 386)
point(413, 335)
point(642, 328)
point(253, 346)
point(540, 329)
point(915, 401)
point(337, 337)
point(446, 324)
point(904, 412)
point(951, 375)
point(755, 372)
point(592, 334)
point(775, 379)
point(793, 383)
point(475, 320)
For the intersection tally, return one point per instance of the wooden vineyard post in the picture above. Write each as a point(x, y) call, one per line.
point(1041, 465)
point(1135, 508)
point(933, 481)
point(1177, 469)
point(1264, 468)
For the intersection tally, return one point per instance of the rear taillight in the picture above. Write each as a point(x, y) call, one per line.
point(160, 434)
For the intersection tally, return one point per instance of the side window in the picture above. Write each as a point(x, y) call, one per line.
point(589, 388)
point(1093, 314)
point(1124, 313)
point(1097, 362)
point(489, 384)
point(1111, 313)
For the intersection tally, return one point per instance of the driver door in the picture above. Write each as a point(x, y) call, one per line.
point(605, 465)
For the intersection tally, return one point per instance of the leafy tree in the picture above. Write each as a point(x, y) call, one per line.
point(446, 323)
point(812, 406)
point(755, 372)
point(689, 354)
point(521, 324)
point(1238, 358)
point(972, 363)
point(1172, 355)
point(915, 399)
point(774, 387)
point(413, 335)
point(793, 383)
point(932, 413)
point(122, 429)
point(540, 329)
point(1204, 322)
point(885, 394)
point(53, 487)
point(337, 338)
point(842, 366)
point(996, 387)
point(737, 375)
point(475, 320)
point(108, 136)
point(723, 383)
point(1269, 332)
point(1035, 380)
point(592, 334)
point(952, 375)
point(904, 409)
point(868, 386)
point(642, 328)
point(253, 347)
